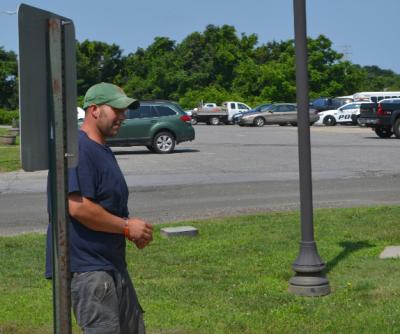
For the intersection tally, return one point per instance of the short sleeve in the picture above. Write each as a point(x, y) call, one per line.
point(82, 178)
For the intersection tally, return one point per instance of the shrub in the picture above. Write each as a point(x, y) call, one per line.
point(6, 116)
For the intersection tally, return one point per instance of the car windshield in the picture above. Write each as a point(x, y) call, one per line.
point(262, 107)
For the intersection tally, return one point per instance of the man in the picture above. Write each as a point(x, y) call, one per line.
point(103, 297)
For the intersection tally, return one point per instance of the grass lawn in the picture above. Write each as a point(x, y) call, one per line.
point(233, 277)
point(9, 156)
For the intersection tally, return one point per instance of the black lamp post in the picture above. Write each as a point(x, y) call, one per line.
point(309, 279)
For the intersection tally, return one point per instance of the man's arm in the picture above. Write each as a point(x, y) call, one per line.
point(96, 218)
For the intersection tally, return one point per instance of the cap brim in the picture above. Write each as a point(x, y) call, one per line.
point(124, 103)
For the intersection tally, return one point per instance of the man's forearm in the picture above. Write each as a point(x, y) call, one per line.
point(93, 215)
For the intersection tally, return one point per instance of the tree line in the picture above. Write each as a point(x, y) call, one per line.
point(214, 65)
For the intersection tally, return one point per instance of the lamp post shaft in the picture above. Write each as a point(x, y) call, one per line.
point(309, 279)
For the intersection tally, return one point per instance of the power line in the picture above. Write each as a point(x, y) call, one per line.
point(346, 50)
point(8, 12)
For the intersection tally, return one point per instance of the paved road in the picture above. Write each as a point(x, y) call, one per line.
point(230, 170)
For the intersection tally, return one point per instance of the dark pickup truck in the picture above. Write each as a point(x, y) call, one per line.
point(382, 117)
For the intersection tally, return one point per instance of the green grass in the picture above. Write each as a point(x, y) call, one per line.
point(9, 156)
point(233, 277)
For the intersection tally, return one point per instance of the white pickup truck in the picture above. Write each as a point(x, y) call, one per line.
point(233, 108)
point(211, 114)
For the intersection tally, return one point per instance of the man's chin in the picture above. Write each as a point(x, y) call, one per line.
point(114, 132)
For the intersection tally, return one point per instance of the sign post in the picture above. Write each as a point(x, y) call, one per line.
point(48, 117)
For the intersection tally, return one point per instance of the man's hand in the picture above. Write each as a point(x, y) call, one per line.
point(140, 232)
point(140, 244)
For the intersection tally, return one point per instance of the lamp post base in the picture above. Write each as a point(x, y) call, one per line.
point(309, 279)
point(309, 285)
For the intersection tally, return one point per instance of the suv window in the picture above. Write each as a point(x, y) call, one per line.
point(147, 111)
point(132, 113)
point(165, 111)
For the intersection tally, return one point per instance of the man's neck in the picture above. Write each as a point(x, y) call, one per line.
point(93, 134)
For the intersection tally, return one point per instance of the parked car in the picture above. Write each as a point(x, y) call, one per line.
point(383, 117)
point(327, 103)
point(233, 108)
point(158, 125)
point(277, 113)
point(81, 113)
point(236, 117)
point(347, 114)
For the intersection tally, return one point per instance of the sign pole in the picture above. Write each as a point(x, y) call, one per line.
point(58, 181)
point(309, 279)
point(49, 133)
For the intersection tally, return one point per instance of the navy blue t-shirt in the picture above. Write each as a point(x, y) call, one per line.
point(99, 178)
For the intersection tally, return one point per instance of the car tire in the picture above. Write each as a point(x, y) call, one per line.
point(259, 122)
point(150, 148)
point(383, 132)
point(164, 142)
point(214, 121)
point(354, 119)
point(193, 121)
point(396, 128)
point(329, 120)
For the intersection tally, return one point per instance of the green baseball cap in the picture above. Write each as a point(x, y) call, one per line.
point(109, 94)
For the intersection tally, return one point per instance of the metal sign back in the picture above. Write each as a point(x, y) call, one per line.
point(34, 99)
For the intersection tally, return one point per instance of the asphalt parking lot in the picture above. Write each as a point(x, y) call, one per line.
point(224, 154)
point(231, 170)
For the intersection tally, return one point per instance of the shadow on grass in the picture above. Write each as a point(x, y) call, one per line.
point(348, 248)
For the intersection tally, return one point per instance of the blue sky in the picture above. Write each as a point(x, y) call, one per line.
point(366, 30)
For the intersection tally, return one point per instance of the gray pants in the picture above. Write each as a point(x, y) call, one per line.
point(105, 302)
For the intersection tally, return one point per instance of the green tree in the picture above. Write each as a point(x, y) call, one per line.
point(97, 62)
point(152, 73)
point(377, 79)
point(8, 80)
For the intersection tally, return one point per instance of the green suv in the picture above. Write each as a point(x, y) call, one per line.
point(158, 125)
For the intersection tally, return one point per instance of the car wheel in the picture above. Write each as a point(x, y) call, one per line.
point(396, 128)
point(259, 122)
point(193, 121)
point(329, 121)
point(383, 132)
point(214, 121)
point(150, 148)
point(163, 142)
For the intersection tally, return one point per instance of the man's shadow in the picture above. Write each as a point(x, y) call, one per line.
point(143, 152)
point(348, 248)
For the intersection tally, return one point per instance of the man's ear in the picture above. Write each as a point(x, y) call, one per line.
point(94, 110)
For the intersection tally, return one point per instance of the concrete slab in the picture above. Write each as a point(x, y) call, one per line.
point(188, 231)
point(390, 252)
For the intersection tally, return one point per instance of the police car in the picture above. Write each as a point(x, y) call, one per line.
point(346, 114)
